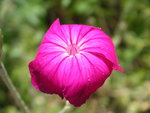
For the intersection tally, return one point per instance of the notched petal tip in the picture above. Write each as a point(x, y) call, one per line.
point(118, 68)
point(56, 23)
point(54, 27)
point(121, 69)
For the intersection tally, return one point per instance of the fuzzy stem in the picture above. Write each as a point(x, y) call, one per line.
point(66, 108)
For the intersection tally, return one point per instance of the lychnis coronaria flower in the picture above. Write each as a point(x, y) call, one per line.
point(73, 61)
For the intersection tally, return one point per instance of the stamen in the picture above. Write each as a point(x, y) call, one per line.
point(73, 49)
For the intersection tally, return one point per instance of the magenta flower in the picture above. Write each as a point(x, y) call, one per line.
point(73, 61)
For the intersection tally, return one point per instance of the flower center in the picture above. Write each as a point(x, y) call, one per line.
point(73, 49)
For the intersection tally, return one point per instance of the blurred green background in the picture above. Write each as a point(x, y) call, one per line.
point(24, 22)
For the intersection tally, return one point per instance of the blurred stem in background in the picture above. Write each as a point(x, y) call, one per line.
point(5, 77)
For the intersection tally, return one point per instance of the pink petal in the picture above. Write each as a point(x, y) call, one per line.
point(86, 73)
point(44, 73)
point(97, 42)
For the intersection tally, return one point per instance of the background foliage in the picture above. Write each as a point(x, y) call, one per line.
point(24, 22)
